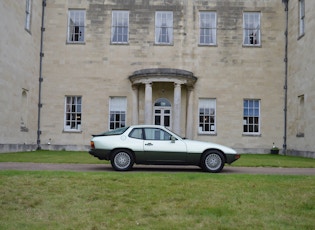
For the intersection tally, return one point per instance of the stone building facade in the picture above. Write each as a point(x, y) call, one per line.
point(301, 78)
point(19, 68)
point(208, 70)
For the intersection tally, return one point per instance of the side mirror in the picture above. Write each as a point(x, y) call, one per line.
point(173, 139)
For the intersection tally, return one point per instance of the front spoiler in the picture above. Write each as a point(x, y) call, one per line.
point(230, 158)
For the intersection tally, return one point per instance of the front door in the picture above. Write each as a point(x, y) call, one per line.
point(159, 147)
point(162, 112)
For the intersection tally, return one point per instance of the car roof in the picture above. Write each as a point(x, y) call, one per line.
point(147, 126)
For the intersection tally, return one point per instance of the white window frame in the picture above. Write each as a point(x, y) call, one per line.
point(76, 26)
point(207, 116)
point(73, 113)
point(251, 29)
point(207, 28)
point(301, 17)
point(120, 27)
point(251, 117)
point(164, 27)
point(117, 112)
point(28, 15)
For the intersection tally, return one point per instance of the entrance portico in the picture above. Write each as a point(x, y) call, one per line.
point(178, 78)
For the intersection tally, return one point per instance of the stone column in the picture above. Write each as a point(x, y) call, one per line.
point(189, 122)
point(135, 107)
point(177, 108)
point(148, 104)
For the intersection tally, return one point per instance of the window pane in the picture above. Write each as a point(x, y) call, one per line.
point(207, 25)
point(251, 28)
point(118, 107)
point(136, 133)
point(157, 120)
point(207, 122)
point(120, 26)
point(73, 116)
point(251, 116)
point(164, 27)
point(167, 121)
point(76, 26)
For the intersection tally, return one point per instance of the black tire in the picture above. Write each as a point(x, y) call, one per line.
point(212, 161)
point(122, 160)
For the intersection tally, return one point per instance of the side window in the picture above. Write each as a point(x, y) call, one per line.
point(156, 134)
point(136, 133)
point(76, 26)
point(251, 29)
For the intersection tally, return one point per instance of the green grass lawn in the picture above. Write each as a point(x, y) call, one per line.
point(111, 200)
point(146, 200)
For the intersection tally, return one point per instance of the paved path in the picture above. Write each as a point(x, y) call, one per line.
point(151, 168)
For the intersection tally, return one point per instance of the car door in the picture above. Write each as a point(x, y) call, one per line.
point(160, 148)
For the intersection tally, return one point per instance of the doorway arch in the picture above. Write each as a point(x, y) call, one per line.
point(181, 79)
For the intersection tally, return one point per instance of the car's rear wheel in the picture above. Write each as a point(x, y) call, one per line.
point(212, 161)
point(122, 160)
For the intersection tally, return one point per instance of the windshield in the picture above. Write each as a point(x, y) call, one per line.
point(175, 133)
point(118, 131)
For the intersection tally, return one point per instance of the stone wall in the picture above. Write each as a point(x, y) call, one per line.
point(19, 73)
point(301, 82)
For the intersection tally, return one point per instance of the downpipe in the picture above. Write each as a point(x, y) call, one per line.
point(286, 3)
point(40, 76)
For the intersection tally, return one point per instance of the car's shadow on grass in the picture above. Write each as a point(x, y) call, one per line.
point(169, 169)
point(165, 168)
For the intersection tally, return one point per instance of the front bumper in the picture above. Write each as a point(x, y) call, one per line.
point(230, 158)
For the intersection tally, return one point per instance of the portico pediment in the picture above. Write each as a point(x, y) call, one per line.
point(179, 76)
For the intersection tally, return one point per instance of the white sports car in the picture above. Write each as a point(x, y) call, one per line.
point(156, 145)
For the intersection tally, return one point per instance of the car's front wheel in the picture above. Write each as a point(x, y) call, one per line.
point(212, 161)
point(122, 160)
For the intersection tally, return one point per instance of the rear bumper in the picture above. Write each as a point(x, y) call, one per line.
point(230, 158)
point(100, 153)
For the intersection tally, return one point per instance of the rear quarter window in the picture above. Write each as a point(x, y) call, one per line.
point(136, 133)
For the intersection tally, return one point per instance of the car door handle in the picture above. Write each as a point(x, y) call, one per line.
point(148, 144)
